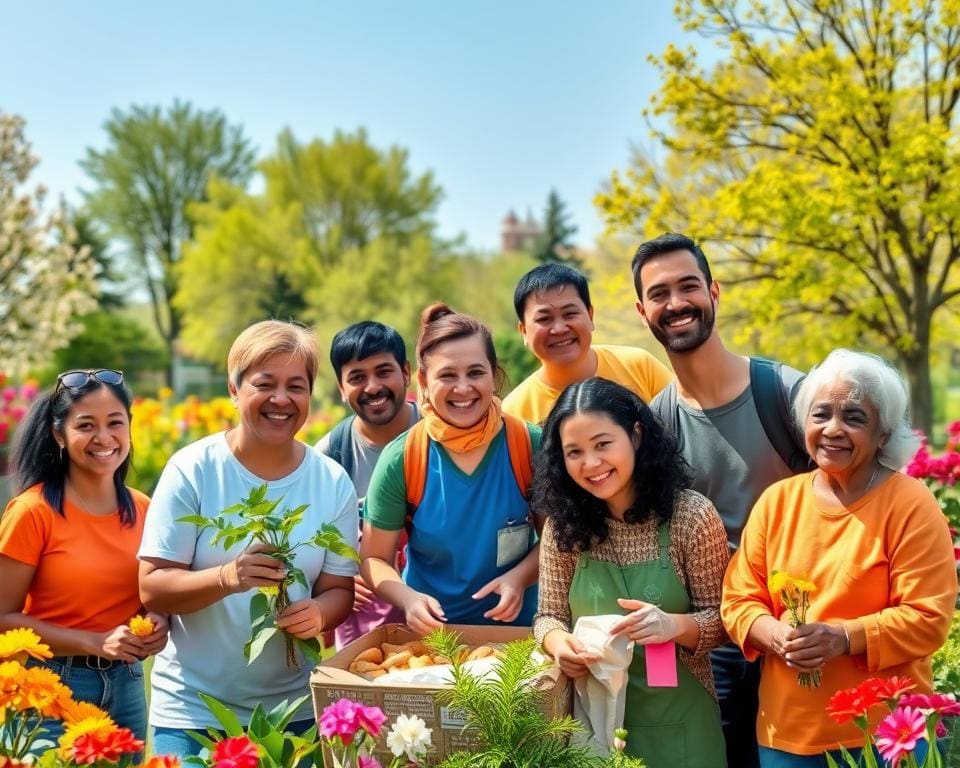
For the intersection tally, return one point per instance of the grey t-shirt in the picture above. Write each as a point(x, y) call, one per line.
point(732, 459)
point(365, 455)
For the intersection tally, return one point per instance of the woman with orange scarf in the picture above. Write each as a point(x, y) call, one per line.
point(471, 556)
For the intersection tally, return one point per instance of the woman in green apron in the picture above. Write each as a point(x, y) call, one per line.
point(625, 536)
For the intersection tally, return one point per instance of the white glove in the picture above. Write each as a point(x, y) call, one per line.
point(646, 624)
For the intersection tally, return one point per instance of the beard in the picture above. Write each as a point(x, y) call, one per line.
point(689, 337)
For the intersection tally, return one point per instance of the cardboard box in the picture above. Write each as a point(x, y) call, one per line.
point(332, 681)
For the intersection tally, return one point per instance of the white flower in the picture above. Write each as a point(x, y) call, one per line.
point(410, 736)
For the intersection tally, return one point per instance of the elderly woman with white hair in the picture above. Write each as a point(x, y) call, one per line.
point(871, 539)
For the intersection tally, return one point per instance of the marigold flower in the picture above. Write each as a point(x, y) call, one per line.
point(75, 711)
point(235, 752)
point(98, 725)
point(106, 745)
point(899, 732)
point(20, 643)
point(142, 626)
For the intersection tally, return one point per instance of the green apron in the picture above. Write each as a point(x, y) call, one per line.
point(667, 727)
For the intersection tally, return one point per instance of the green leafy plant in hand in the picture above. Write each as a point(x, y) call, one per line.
point(504, 708)
point(256, 519)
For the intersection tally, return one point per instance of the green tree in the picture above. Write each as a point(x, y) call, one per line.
point(343, 231)
point(818, 156)
point(45, 280)
point(555, 243)
point(106, 273)
point(154, 166)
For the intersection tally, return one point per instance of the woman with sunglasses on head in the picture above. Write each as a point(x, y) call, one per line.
point(69, 541)
point(271, 369)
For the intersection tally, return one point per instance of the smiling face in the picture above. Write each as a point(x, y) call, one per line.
point(842, 433)
point(375, 387)
point(458, 381)
point(557, 326)
point(600, 457)
point(96, 433)
point(676, 302)
point(273, 399)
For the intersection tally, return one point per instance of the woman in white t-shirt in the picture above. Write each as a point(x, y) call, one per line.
point(271, 367)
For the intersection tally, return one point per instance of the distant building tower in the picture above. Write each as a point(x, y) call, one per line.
point(517, 235)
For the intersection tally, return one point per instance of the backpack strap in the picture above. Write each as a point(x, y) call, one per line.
point(340, 445)
point(416, 452)
point(773, 408)
point(665, 405)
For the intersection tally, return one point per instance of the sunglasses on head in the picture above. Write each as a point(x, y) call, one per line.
point(77, 379)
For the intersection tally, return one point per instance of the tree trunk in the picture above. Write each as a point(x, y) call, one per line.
point(916, 364)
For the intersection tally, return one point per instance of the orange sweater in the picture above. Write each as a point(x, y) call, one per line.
point(883, 567)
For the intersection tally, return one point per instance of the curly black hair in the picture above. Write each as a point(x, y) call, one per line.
point(659, 473)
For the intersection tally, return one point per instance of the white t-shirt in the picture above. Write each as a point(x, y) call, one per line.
point(205, 650)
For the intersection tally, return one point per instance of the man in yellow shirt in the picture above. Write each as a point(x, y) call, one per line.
point(555, 317)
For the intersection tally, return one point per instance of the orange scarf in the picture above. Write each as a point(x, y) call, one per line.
point(458, 439)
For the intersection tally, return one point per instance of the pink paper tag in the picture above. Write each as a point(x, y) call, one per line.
point(661, 665)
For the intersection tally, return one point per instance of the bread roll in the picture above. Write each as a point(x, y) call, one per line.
point(359, 666)
point(373, 655)
point(396, 659)
point(480, 653)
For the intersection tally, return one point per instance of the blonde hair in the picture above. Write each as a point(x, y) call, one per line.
point(268, 338)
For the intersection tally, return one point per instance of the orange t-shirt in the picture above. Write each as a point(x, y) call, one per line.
point(883, 567)
point(86, 565)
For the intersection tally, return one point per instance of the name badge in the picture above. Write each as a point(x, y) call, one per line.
point(513, 542)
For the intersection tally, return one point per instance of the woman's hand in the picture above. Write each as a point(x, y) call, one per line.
point(510, 590)
point(156, 640)
point(302, 618)
point(810, 646)
point(646, 624)
point(252, 568)
point(119, 644)
point(423, 613)
point(568, 652)
point(362, 594)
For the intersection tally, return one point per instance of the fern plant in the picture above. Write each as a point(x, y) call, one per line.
point(504, 710)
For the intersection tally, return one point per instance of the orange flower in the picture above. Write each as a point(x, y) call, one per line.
point(42, 690)
point(75, 711)
point(100, 725)
point(160, 761)
point(108, 745)
point(18, 644)
point(142, 626)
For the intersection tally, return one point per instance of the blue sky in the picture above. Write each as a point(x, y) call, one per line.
point(502, 101)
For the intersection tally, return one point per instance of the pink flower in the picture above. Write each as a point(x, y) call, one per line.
point(946, 705)
point(899, 732)
point(344, 718)
point(235, 752)
point(368, 762)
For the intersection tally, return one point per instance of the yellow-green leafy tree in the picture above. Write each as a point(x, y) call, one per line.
point(818, 160)
point(342, 232)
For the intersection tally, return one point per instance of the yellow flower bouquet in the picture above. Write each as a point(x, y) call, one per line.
point(794, 594)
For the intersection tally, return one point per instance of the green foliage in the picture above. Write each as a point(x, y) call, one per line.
point(279, 748)
point(946, 661)
point(89, 236)
point(260, 521)
point(555, 243)
point(342, 232)
point(504, 710)
point(817, 159)
point(154, 166)
point(112, 340)
point(517, 361)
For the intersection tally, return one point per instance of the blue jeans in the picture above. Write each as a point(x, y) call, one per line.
point(775, 758)
point(118, 691)
point(176, 741)
point(738, 684)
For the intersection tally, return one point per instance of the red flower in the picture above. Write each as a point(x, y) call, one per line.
point(893, 688)
point(163, 761)
point(852, 703)
point(235, 752)
point(105, 745)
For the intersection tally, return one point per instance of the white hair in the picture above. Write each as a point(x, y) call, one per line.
point(873, 379)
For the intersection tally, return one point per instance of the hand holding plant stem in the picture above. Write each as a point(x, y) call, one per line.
point(268, 564)
point(794, 595)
